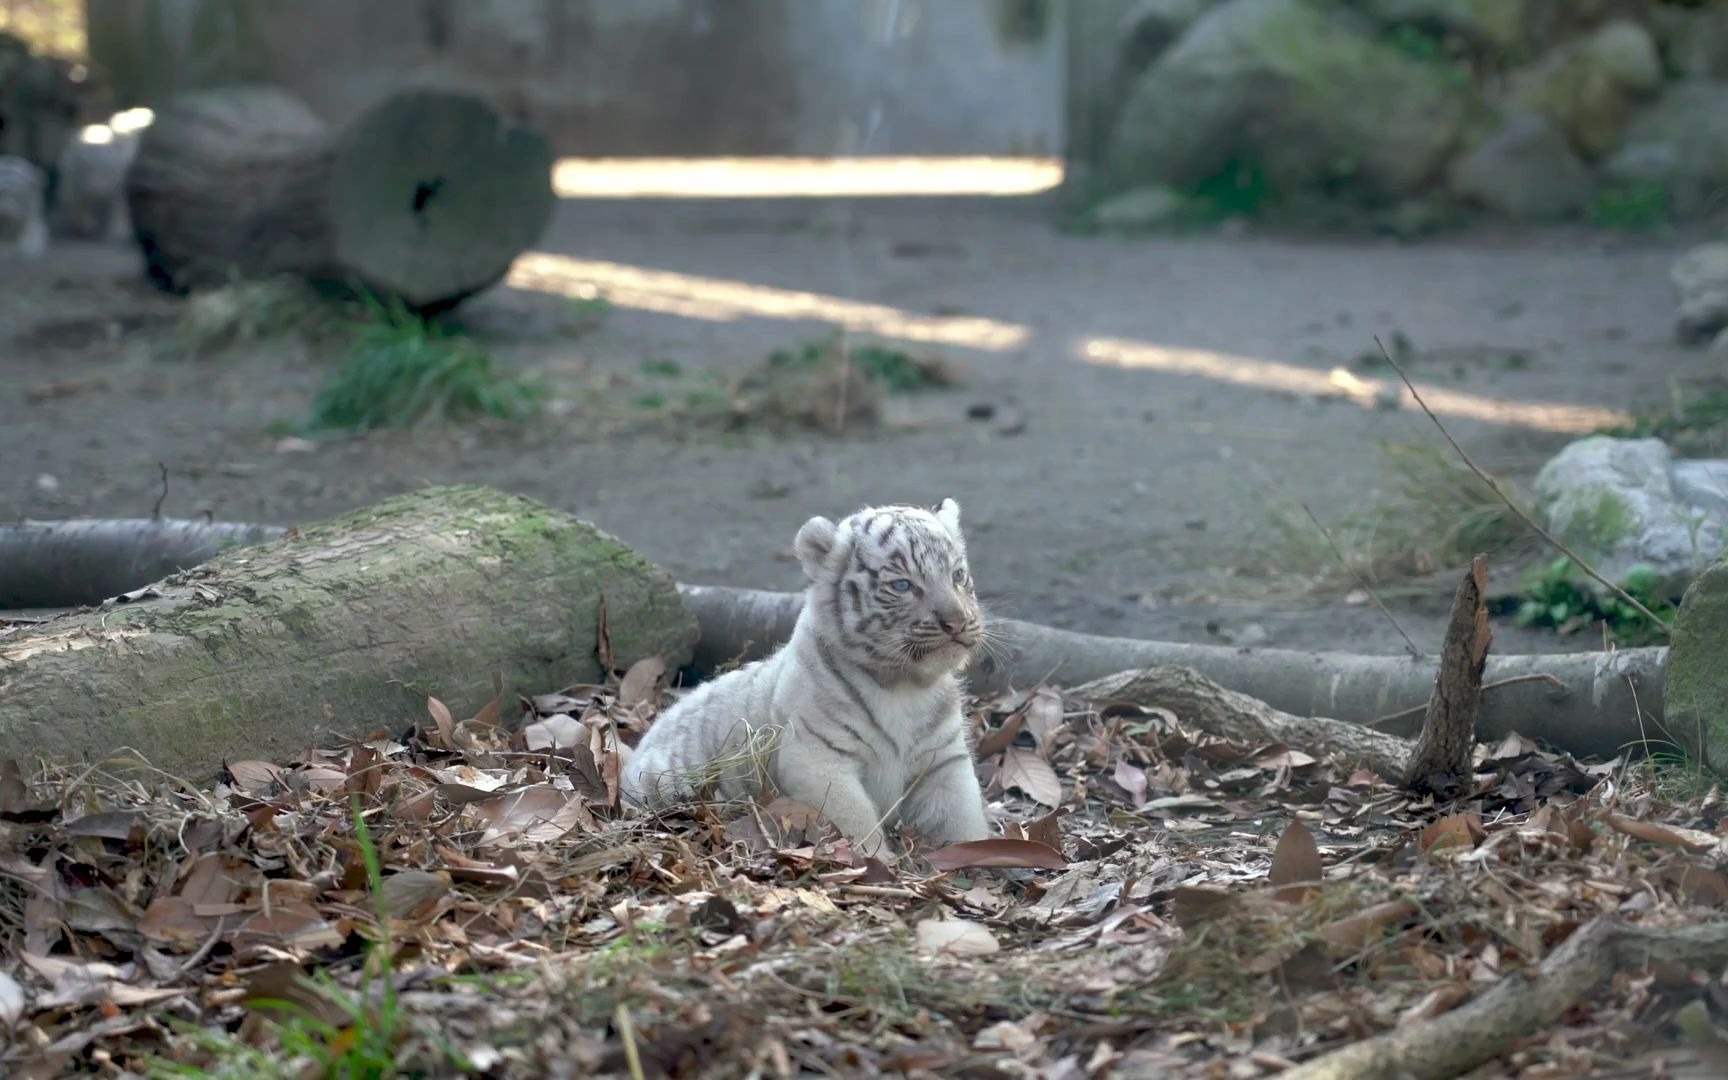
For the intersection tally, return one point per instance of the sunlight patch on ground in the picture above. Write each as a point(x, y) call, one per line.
point(692, 296)
point(806, 177)
point(1273, 375)
point(724, 300)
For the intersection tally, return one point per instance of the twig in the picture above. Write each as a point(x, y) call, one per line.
point(627, 1035)
point(1655, 619)
point(156, 511)
point(1415, 653)
point(1415, 709)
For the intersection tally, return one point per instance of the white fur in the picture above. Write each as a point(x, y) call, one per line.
point(859, 713)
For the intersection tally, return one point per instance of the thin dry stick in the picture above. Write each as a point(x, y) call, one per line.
point(1415, 653)
point(1415, 709)
point(1655, 619)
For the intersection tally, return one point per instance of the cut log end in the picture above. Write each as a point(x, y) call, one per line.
point(433, 195)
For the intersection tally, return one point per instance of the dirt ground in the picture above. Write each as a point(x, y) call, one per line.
point(1109, 496)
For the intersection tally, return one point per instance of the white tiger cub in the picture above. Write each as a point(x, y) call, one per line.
point(858, 714)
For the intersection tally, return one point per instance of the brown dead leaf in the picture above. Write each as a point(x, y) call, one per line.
point(1442, 999)
point(603, 641)
point(1032, 775)
point(1296, 863)
point(443, 723)
point(1194, 905)
point(1002, 853)
point(1132, 779)
point(1047, 830)
point(1462, 830)
point(555, 733)
point(1355, 931)
point(532, 814)
point(642, 683)
point(1002, 738)
point(123, 825)
point(364, 775)
point(1044, 716)
point(409, 894)
point(259, 779)
point(283, 987)
point(490, 713)
point(1673, 836)
point(1701, 885)
point(955, 937)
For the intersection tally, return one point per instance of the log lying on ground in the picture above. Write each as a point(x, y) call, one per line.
point(1591, 708)
point(1199, 701)
point(338, 629)
point(69, 563)
point(428, 197)
point(1520, 1004)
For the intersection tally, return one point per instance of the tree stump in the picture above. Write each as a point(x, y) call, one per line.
point(337, 629)
point(426, 198)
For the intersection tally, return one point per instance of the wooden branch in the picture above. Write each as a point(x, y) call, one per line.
point(1442, 758)
point(1520, 1004)
point(1199, 701)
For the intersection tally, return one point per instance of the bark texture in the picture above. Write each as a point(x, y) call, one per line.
point(68, 563)
point(1199, 701)
point(426, 198)
point(1593, 707)
point(1442, 758)
point(337, 629)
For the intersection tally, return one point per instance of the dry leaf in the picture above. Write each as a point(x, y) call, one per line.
point(1047, 830)
point(257, 778)
point(1025, 770)
point(1453, 831)
point(1695, 839)
point(444, 723)
point(406, 893)
point(1296, 863)
point(955, 937)
point(1002, 738)
point(537, 813)
point(560, 731)
point(126, 825)
point(1362, 928)
point(1442, 999)
point(12, 1003)
point(1044, 716)
point(642, 683)
point(1132, 779)
point(1002, 853)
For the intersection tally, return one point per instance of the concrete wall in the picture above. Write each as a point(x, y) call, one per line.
point(625, 77)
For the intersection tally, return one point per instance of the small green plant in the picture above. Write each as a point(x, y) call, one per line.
point(895, 369)
point(359, 1044)
point(1689, 413)
point(1558, 596)
point(1634, 205)
point(403, 370)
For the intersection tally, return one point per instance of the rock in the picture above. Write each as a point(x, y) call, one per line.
point(1304, 95)
point(1695, 688)
point(23, 225)
point(1680, 142)
point(1615, 502)
point(89, 192)
point(1487, 25)
point(1149, 27)
point(1525, 169)
point(1702, 482)
point(1140, 208)
point(1588, 86)
point(1693, 41)
point(1700, 278)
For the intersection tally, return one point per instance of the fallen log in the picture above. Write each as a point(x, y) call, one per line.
point(1521, 1004)
point(1586, 703)
point(1199, 701)
point(337, 629)
point(1595, 704)
point(427, 197)
point(71, 563)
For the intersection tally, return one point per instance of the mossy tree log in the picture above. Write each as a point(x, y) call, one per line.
point(335, 630)
point(426, 198)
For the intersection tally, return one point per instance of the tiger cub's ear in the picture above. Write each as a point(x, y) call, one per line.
point(948, 513)
point(814, 544)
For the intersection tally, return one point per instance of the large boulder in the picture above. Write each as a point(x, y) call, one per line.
point(1492, 26)
point(1693, 41)
point(1701, 279)
point(1525, 169)
point(1615, 502)
point(1680, 142)
point(1305, 95)
point(1695, 689)
point(1590, 86)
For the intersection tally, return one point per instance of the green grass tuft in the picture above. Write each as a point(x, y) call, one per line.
point(897, 371)
point(1559, 596)
point(1634, 206)
point(402, 370)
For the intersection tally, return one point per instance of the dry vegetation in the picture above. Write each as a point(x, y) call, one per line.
point(464, 897)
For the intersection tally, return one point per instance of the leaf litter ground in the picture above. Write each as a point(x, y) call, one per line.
point(464, 897)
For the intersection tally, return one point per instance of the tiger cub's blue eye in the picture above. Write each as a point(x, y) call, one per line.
point(959, 576)
point(900, 584)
